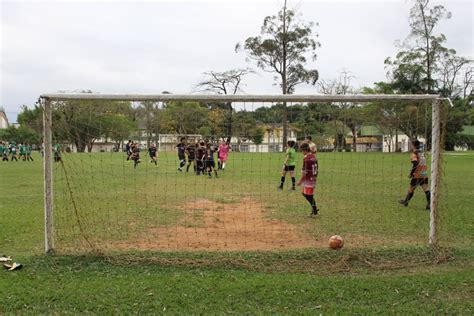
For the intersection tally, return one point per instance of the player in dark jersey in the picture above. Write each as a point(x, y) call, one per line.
point(181, 153)
point(309, 174)
point(191, 152)
point(152, 151)
point(209, 161)
point(418, 175)
point(128, 149)
point(135, 156)
point(200, 154)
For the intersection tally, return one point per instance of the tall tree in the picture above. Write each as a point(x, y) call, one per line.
point(283, 47)
point(226, 82)
point(415, 65)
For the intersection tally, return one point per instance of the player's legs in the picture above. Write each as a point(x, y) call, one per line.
point(411, 191)
point(293, 179)
point(283, 177)
point(308, 193)
point(426, 189)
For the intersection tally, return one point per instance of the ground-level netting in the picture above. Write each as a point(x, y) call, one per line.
point(223, 180)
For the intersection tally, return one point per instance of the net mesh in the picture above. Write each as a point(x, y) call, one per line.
point(104, 201)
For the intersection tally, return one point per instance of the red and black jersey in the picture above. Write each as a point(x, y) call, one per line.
point(309, 170)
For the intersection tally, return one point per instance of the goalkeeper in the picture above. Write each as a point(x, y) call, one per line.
point(418, 175)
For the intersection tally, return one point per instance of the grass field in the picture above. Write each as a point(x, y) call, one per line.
point(384, 268)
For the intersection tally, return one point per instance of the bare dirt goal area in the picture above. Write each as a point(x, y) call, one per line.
point(210, 225)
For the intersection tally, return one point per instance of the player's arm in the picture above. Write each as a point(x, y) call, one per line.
point(303, 173)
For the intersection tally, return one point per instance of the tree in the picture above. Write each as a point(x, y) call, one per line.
point(226, 82)
point(257, 135)
point(148, 114)
point(418, 60)
point(351, 114)
point(244, 123)
point(283, 47)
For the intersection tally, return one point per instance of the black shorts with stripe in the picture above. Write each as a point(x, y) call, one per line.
point(418, 181)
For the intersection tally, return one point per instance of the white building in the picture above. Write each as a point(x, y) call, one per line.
point(3, 119)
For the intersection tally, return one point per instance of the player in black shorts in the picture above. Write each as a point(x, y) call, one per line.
point(152, 152)
point(209, 161)
point(135, 156)
point(191, 151)
point(200, 154)
point(181, 153)
point(418, 175)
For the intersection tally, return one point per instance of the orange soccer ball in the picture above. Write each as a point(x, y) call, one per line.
point(336, 242)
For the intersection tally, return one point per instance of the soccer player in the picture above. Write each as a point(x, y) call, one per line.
point(152, 152)
point(181, 153)
point(128, 149)
point(209, 162)
point(418, 175)
point(191, 152)
point(22, 148)
point(200, 156)
point(223, 153)
point(4, 151)
point(28, 152)
point(309, 174)
point(312, 146)
point(12, 149)
point(289, 165)
point(57, 152)
point(135, 156)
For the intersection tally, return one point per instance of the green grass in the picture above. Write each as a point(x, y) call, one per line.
point(393, 273)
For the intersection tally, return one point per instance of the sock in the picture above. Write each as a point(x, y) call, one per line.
point(293, 181)
point(409, 196)
point(223, 165)
point(282, 182)
point(428, 197)
point(187, 168)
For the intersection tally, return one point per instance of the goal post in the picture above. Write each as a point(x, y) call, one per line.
point(48, 101)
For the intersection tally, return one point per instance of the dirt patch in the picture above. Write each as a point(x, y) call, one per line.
point(210, 225)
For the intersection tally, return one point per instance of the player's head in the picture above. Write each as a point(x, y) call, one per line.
point(309, 138)
point(202, 144)
point(291, 143)
point(182, 139)
point(304, 148)
point(416, 143)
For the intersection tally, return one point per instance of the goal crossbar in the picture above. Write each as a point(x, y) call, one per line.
point(240, 98)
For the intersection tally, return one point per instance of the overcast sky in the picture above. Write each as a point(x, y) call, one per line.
point(152, 46)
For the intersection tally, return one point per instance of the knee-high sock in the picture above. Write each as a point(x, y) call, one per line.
point(428, 197)
point(409, 196)
point(311, 200)
point(293, 182)
point(282, 181)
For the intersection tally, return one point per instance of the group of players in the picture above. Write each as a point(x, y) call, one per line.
point(9, 151)
point(201, 156)
point(198, 154)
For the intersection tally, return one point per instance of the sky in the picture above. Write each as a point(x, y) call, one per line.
point(154, 46)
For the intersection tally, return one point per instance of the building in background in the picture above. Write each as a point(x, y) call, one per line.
point(3, 119)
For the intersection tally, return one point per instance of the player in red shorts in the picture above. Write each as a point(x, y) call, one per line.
point(309, 173)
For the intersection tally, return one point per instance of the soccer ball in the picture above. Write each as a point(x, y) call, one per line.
point(336, 242)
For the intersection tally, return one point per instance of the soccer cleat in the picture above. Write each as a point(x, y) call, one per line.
point(179, 169)
point(314, 212)
point(280, 189)
point(292, 190)
point(403, 202)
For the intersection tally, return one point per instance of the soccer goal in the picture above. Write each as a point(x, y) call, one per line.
point(240, 172)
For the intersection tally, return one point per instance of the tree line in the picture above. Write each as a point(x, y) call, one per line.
point(287, 46)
